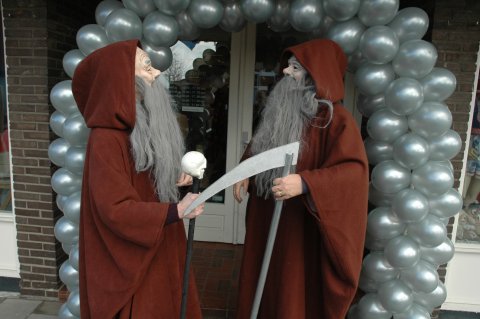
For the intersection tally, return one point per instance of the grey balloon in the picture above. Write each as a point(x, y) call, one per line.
point(68, 275)
point(404, 96)
point(257, 11)
point(355, 60)
point(429, 232)
point(414, 312)
point(415, 59)
point(70, 61)
point(375, 244)
point(430, 120)
point(232, 20)
point(438, 255)
point(187, 29)
point(104, 8)
point(278, 22)
point(161, 57)
point(56, 122)
point(75, 159)
point(325, 25)
point(385, 126)
point(341, 10)
point(206, 13)
point(377, 12)
point(172, 7)
point(433, 299)
point(379, 198)
point(402, 252)
point(91, 37)
point(73, 302)
point(411, 150)
point(382, 224)
point(377, 151)
point(65, 182)
point(64, 313)
point(160, 30)
point(75, 131)
point(379, 44)
point(369, 104)
point(410, 206)
point(390, 177)
point(140, 7)
point(347, 34)
point(395, 296)
point(57, 151)
point(72, 207)
point(371, 307)
point(445, 205)
point(422, 277)
point(373, 79)
point(306, 15)
point(410, 24)
point(62, 99)
point(66, 231)
point(74, 256)
point(123, 24)
point(438, 85)
point(446, 146)
point(367, 284)
point(61, 200)
point(376, 267)
point(432, 179)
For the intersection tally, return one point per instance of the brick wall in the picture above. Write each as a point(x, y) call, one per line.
point(38, 33)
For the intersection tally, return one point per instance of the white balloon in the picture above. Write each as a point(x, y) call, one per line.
point(71, 209)
point(445, 147)
point(390, 177)
point(75, 130)
point(415, 59)
point(432, 179)
point(422, 277)
point(430, 120)
point(411, 150)
point(373, 79)
point(376, 267)
point(91, 37)
point(379, 44)
point(378, 151)
point(386, 126)
point(62, 99)
point(377, 12)
point(410, 24)
point(410, 205)
point(438, 255)
point(438, 85)
point(70, 61)
point(395, 296)
point(402, 252)
point(68, 275)
point(404, 96)
point(66, 231)
point(429, 232)
point(446, 205)
point(383, 224)
point(65, 182)
point(56, 122)
point(57, 151)
point(347, 34)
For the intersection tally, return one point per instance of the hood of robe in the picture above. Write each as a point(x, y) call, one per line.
point(326, 63)
point(104, 86)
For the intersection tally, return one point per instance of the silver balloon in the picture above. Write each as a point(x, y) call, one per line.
point(410, 24)
point(278, 22)
point(438, 85)
point(70, 61)
point(172, 7)
point(395, 296)
point(74, 256)
point(375, 244)
point(402, 252)
point(376, 267)
point(355, 60)
point(56, 122)
point(161, 57)
point(385, 126)
point(75, 159)
point(414, 312)
point(410, 206)
point(66, 231)
point(75, 131)
point(64, 313)
point(373, 79)
point(325, 25)
point(446, 205)
point(445, 147)
point(432, 179)
point(72, 207)
point(438, 255)
point(257, 11)
point(57, 151)
point(378, 151)
point(206, 13)
point(187, 30)
point(104, 8)
point(370, 307)
point(341, 10)
point(61, 201)
point(141, 8)
point(91, 37)
point(404, 96)
point(377, 12)
point(367, 284)
point(65, 182)
point(411, 150)
point(382, 224)
point(73, 302)
point(68, 275)
point(415, 59)
point(232, 20)
point(347, 34)
point(379, 44)
point(160, 30)
point(123, 24)
point(67, 247)
point(379, 198)
point(306, 15)
point(62, 99)
point(368, 104)
point(390, 177)
point(429, 232)
point(433, 299)
point(422, 277)
point(430, 120)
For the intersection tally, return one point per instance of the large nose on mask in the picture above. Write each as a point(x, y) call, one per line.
point(287, 71)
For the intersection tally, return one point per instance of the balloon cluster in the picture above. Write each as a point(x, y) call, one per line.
point(402, 94)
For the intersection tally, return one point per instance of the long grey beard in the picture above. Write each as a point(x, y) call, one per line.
point(289, 108)
point(157, 143)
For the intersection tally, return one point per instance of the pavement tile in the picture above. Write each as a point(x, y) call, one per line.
point(15, 308)
point(48, 308)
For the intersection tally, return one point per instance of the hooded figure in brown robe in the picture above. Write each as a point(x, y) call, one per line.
point(317, 255)
point(132, 241)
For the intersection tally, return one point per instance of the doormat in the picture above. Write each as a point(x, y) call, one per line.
point(10, 284)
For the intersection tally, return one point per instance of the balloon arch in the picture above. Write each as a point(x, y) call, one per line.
point(410, 142)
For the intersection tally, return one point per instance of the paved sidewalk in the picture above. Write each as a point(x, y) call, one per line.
point(12, 306)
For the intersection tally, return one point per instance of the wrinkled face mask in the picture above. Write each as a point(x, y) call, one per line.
point(144, 68)
point(294, 69)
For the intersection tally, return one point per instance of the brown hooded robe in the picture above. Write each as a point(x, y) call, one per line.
point(131, 263)
point(318, 250)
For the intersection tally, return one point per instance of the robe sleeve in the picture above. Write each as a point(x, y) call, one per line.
point(117, 203)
